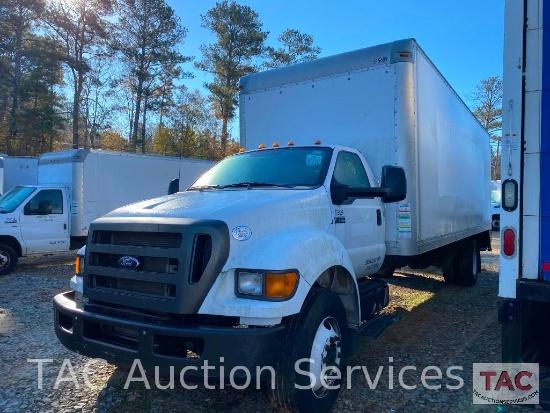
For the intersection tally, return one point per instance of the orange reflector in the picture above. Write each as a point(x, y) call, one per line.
point(275, 144)
point(280, 285)
point(261, 146)
point(509, 242)
point(290, 143)
point(318, 142)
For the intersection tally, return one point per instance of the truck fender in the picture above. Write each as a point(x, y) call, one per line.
point(320, 258)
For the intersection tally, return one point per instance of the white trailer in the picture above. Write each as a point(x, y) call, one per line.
point(524, 285)
point(393, 105)
point(76, 187)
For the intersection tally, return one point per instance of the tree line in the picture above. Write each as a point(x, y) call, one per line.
point(70, 70)
point(109, 74)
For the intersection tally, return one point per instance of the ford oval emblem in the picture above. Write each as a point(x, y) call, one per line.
point(128, 262)
point(241, 233)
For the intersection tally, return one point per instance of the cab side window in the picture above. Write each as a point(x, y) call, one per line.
point(46, 202)
point(349, 171)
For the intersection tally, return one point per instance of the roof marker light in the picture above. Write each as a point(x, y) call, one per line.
point(318, 142)
point(275, 144)
point(261, 146)
point(242, 150)
point(290, 143)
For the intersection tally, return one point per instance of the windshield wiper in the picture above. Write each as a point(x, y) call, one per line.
point(250, 184)
point(200, 188)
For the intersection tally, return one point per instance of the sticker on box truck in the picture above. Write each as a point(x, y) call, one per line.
point(404, 220)
point(74, 208)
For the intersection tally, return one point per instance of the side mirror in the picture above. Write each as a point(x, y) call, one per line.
point(338, 193)
point(395, 184)
point(174, 186)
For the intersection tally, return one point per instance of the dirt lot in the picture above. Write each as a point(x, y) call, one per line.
point(435, 325)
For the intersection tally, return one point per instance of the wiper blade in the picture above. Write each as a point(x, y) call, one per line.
point(200, 188)
point(250, 184)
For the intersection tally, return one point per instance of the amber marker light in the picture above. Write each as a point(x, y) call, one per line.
point(242, 150)
point(290, 143)
point(275, 144)
point(282, 285)
point(79, 266)
point(261, 146)
point(318, 142)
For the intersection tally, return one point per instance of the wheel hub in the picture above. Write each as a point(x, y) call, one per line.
point(326, 356)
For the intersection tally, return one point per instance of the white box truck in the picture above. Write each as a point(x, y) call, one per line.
point(74, 188)
point(263, 268)
point(524, 279)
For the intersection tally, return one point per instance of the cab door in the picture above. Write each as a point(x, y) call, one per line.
point(45, 221)
point(359, 222)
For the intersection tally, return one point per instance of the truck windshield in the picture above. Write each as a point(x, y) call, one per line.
point(278, 167)
point(13, 198)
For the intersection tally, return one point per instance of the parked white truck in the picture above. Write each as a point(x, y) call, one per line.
point(262, 268)
point(525, 210)
point(74, 188)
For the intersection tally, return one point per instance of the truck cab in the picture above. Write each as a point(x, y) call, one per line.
point(252, 243)
point(35, 219)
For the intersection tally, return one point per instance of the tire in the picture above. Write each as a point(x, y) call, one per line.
point(320, 333)
point(450, 274)
point(495, 223)
point(8, 259)
point(468, 264)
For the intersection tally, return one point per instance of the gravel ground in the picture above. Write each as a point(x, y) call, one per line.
point(436, 325)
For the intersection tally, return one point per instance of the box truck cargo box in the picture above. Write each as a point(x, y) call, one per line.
point(393, 105)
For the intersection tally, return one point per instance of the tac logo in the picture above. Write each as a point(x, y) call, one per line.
point(506, 383)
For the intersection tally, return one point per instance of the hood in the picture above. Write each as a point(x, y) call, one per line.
point(238, 206)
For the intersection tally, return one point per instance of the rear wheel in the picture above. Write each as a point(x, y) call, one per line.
point(449, 274)
point(8, 259)
point(313, 358)
point(468, 264)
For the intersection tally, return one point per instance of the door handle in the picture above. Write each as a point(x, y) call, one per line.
point(378, 217)
point(64, 226)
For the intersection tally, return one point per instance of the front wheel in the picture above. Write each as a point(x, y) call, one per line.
point(313, 358)
point(8, 259)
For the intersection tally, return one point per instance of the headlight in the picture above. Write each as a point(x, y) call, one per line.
point(268, 285)
point(250, 283)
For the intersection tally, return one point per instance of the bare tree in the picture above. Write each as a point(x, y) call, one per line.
point(80, 26)
point(487, 107)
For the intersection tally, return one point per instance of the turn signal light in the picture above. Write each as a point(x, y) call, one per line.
point(79, 265)
point(280, 285)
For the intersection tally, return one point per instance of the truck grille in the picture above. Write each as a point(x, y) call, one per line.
point(159, 267)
